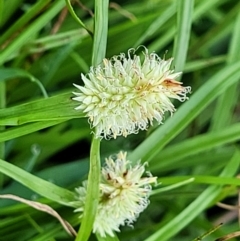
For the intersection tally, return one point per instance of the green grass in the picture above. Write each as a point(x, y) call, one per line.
point(46, 146)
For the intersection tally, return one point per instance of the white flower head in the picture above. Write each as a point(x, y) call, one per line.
point(124, 94)
point(124, 194)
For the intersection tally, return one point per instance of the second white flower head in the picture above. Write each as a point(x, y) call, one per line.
point(124, 194)
point(124, 94)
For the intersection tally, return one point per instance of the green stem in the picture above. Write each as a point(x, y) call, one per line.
point(92, 196)
point(99, 51)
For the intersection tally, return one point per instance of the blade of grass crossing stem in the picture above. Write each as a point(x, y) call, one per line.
point(196, 207)
point(184, 21)
point(31, 30)
point(92, 196)
point(227, 101)
point(99, 51)
point(38, 185)
point(186, 113)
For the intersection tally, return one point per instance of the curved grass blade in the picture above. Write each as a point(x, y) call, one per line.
point(10, 73)
point(78, 20)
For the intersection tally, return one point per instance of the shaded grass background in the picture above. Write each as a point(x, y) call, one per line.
point(47, 138)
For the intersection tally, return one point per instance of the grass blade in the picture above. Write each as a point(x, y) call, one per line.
point(38, 185)
point(181, 42)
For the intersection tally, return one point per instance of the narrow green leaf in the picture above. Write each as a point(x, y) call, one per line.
point(38, 185)
point(176, 180)
point(18, 131)
point(203, 63)
point(100, 31)
point(171, 187)
point(181, 42)
point(76, 18)
point(57, 40)
point(59, 107)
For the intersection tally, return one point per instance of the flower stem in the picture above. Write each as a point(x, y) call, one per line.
point(99, 51)
point(92, 192)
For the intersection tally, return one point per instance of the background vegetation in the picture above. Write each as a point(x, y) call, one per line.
point(195, 153)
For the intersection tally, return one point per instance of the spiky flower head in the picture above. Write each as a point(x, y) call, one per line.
point(124, 94)
point(124, 194)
